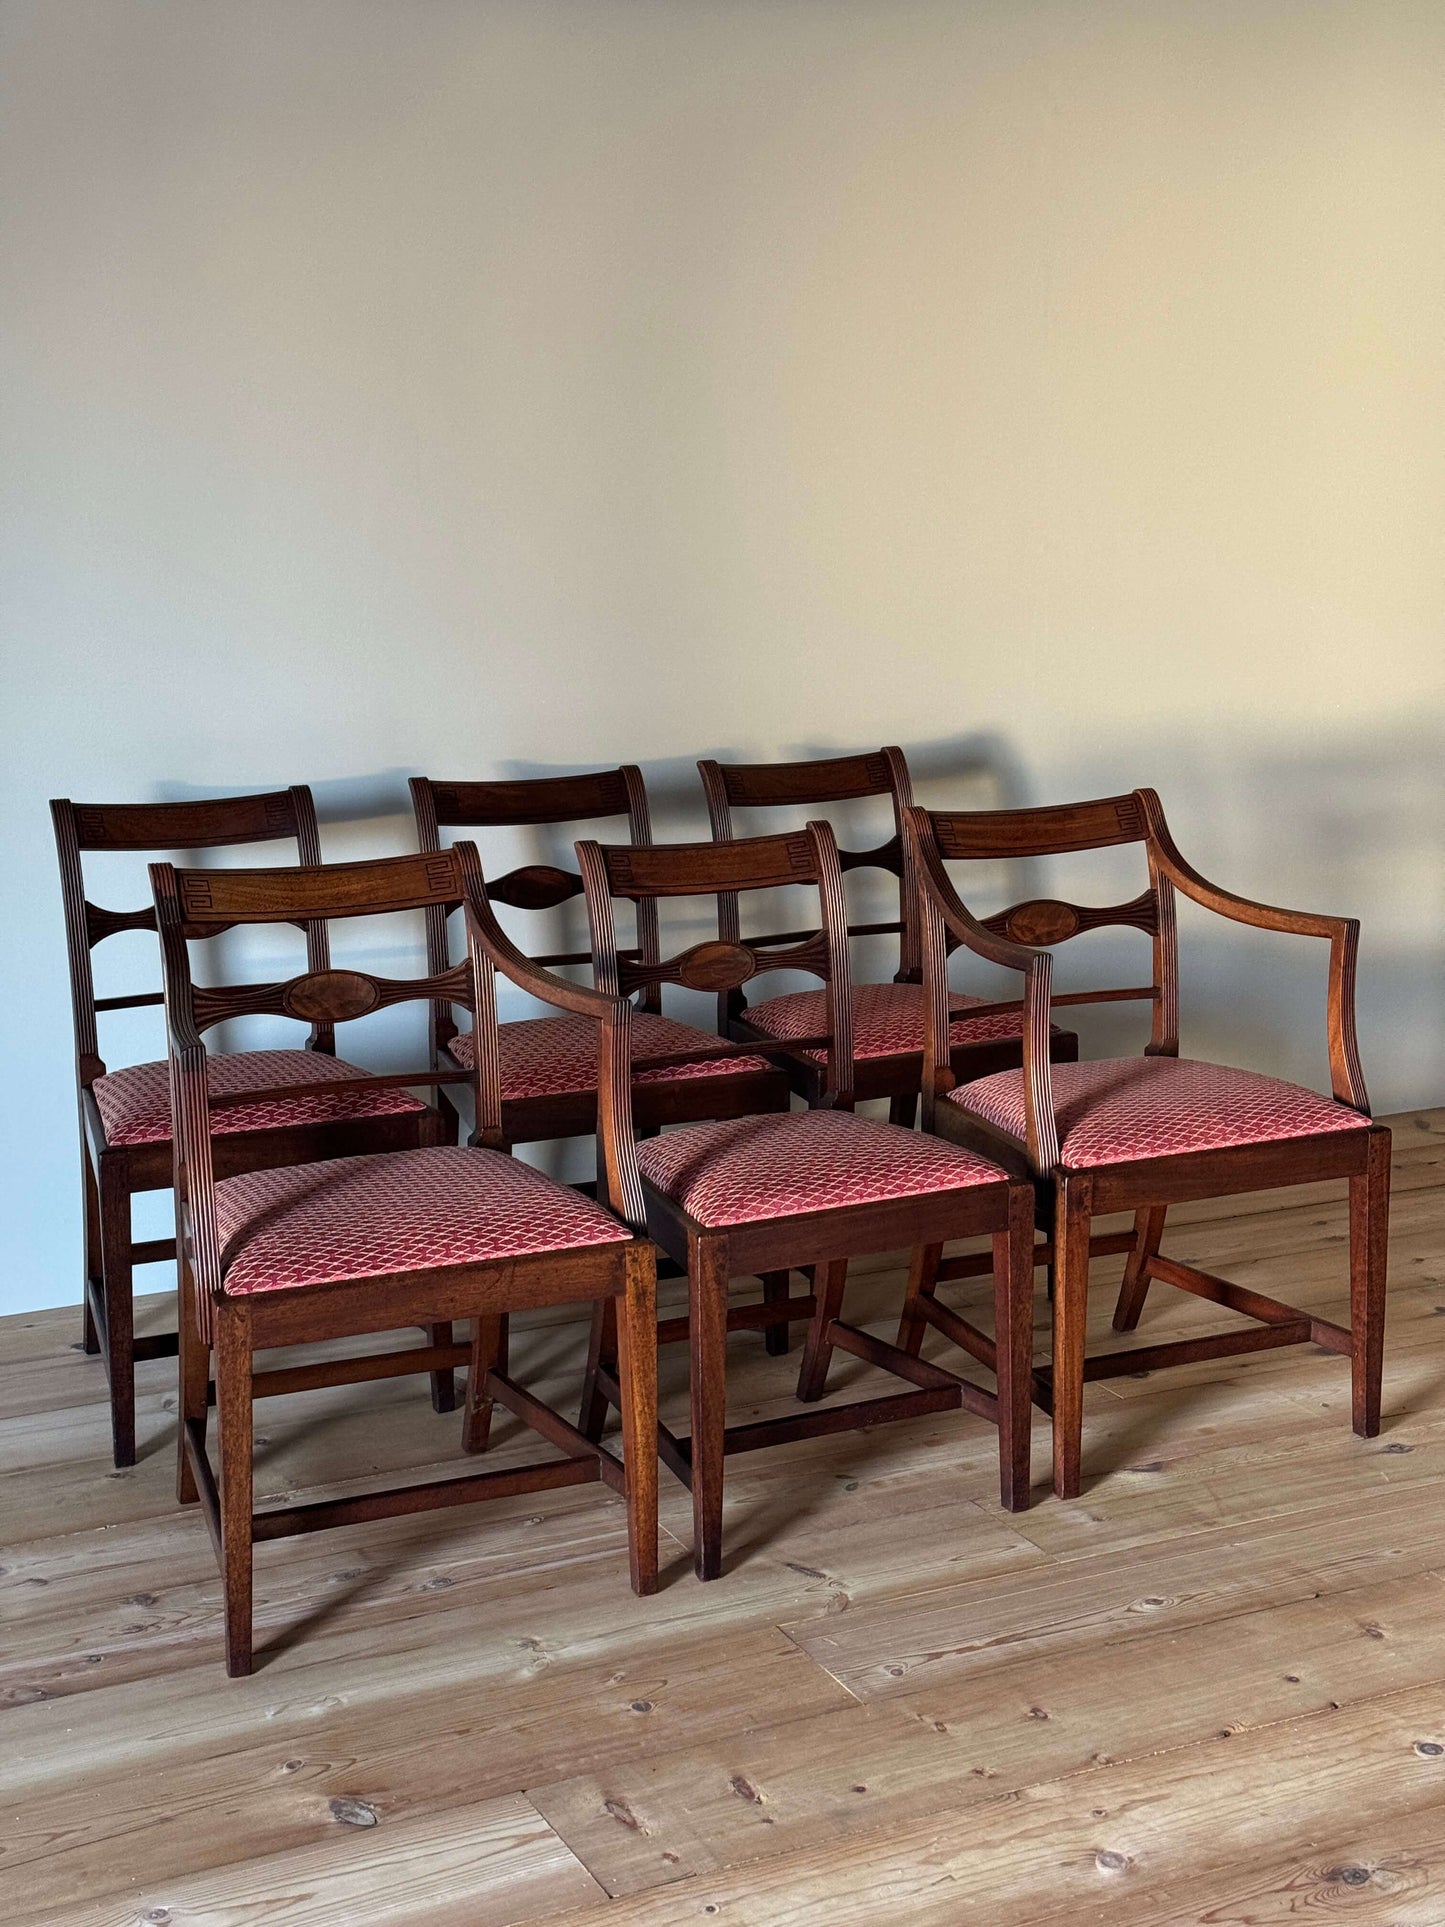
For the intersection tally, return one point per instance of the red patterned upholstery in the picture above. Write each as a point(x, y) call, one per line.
point(749, 1169)
point(313, 1224)
point(1125, 1108)
point(555, 1056)
point(887, 1020)
point(135, 1103)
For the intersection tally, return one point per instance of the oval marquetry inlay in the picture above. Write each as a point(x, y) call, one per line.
point(1043, 921)
point(716, 966)
point(538, 886)
point(330, 996)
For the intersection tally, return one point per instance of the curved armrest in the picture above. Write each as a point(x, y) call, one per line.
point(957, 917)
point(1264, 916)
point(1347, 1079)
point(518, 968)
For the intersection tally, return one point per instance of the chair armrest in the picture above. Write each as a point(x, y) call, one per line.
point(518, 968)
point(1341, 933)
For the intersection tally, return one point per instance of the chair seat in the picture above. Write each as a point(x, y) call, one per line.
point(887, 1020)
point(135, 1103)
point(1123, 1109)
point(748, 1170)
point(557, 1056)
point(364, 1217)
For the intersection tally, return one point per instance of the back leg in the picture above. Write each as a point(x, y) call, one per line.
point(1148, 1230)
point(922, 1283)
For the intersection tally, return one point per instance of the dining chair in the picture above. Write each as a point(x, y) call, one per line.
point(887, 1017)
point(363, 1244)
point(125, 1114)
point(1139, 1134)
point(801, 1190)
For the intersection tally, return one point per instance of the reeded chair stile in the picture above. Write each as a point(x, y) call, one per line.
point(365, 1244)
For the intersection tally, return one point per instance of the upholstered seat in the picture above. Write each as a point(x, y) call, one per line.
point(747, 1170)
point(366, 1217)
point(1122, 1109)
point(135, 1103)
point(887, 1020)
point(555, 1056)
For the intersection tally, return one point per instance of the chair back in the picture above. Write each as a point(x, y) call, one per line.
point(643, 875)
point(152, 828)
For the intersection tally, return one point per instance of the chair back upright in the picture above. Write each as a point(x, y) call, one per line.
point(644, 874)
point(807, 785)
point(150, 828)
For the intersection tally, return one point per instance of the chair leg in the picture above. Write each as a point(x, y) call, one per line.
point(1369, 1242)
point(707, 1273)
point(601, 1355)
point(1148, 1231)
point(94, 1266)
point(486, 1353)
point(1073, 1210)
point(637, 1390)
point(233, 1399)
point(1013, 1325)
point(922, 1283)
point(818, 1351)
point(443, 1382)
point(194, 1378)
point(775, 1289)
point(115, 1229)
point(903, 1110)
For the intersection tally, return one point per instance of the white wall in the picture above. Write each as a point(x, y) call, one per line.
point(483, 386)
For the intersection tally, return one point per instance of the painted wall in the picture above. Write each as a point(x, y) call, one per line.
point(494, 386)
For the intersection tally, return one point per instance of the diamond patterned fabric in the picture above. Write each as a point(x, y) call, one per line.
point(1125, 1108)
point(555, 1056)
point(887, 1020)
point(750, 1169)
point(363, 1217)
point(135, 1103)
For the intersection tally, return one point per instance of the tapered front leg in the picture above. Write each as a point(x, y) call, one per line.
point(637, 1390)
point(1073, 1212)
point(1148, 1231)
point(233, 1399)
point(443, 1381)
point(1369, 1243)
point(707, 1273)
point(1013, 1305)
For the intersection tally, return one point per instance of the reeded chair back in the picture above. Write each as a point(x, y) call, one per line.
point(125, 1127)
point(547, 1078)
point(507, 1237)
point(1141, 1134)
point(887, 1018)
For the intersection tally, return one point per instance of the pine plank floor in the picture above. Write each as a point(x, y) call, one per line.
point(1210, 1691)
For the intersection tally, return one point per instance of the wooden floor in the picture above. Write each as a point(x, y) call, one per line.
point(1212, 1690)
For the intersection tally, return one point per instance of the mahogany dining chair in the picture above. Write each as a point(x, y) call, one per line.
point(801, 1190)
point(1141, 1133)
point(125, 1114)
point(425, 1235)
